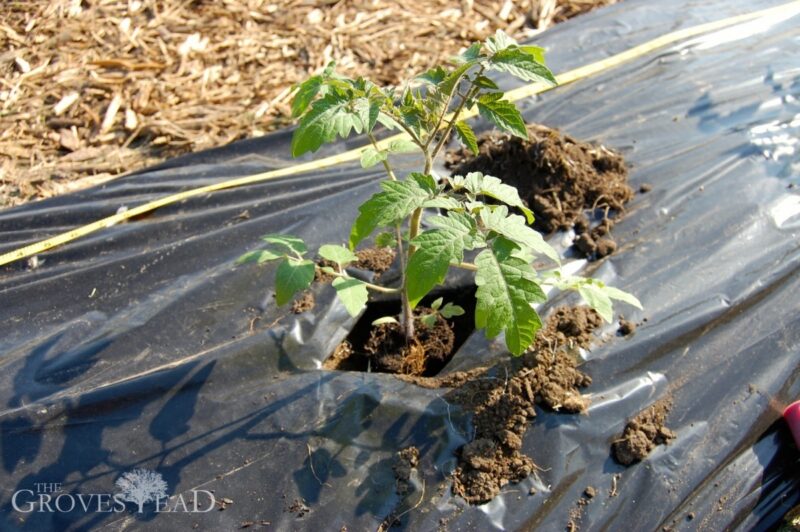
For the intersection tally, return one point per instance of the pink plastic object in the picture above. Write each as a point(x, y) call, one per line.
point(792, 417)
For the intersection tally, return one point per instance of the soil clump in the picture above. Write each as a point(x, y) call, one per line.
point(643, 433)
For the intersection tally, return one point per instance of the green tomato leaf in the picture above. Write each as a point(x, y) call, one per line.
point(352, 293)
point(500, 41)
point(597, 298)
point(443, 202)
point(473, 53)
point(487, 185)
point(293, 243)
point(370, 157)
point(427, 267)
point(513, 227)
point(437, 303)
point(433, 76)
point(385, 240)
point(485, 83)
point(621, 295)
point(402, 146)
point(338, 254)
point(292, 276)
point(522, 65)
point(467, 136)
point(460, 227)
point(536, 51)
point(398, 200)
point(451, 310)
point(428, 320)
point(259, 255)
point(507, 289)
point(504, 115)
point(306, 92)
point(321, 124)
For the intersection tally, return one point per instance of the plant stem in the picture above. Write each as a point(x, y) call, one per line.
point(385, 162)
point(371, 286)
point(466, 266)
point(470, 93)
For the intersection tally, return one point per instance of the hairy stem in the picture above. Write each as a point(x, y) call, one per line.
point(450, 123)
point(386, 165)
point(466, 266)
point(370, 286)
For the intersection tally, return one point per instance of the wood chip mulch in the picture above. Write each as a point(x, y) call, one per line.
point(90, 89)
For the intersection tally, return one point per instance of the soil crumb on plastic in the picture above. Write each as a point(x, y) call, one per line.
point(643, 433)
point(304, 303)
point(390, 352)
point(559, 178)
point(504, 403)
point(626, 327)
point(377, 260)
point(342, 352)
point(405, 462)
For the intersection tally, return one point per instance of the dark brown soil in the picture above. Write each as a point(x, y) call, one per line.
point(559, 178)
point(626, 327)
point(405, 461)
point(504, 405)
point(390, 353)
point(643, 433)
point(304, 303)
point(377, 260)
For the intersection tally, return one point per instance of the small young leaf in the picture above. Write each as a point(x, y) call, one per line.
point(306, 92)
point(487, 185)
point(513, 228)
point(293, 243)
point(428, 320)
point(451, 310)
point(621, 295)
point(500, 41)
point(485, 83)
point(522, 65)
point(472, 53)
point(352, 293)
point(338, 254)
point(438, 303)
point(292, 276)
point(505, 116)
point(385, 240)
point(443, 202)
point(467, 136)
point(597, 298)
point(370, 157)
point(433, 76)
point(536, 51)
point(507, 289)
point(385, 319)
point(259, 255)
point(402, 146)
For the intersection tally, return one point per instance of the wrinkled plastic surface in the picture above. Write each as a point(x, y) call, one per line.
point(143, 346)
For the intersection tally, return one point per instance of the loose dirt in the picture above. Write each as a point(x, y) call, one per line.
point(304, 303)
point(643, 433)
point(504, 404)
point(376, 260)
point(390, 353)
point(560, 179)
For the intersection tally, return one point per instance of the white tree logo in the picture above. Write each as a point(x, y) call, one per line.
point(141, 486)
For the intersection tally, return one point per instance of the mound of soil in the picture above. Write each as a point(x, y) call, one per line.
point(643, 433)
point(391, 353)
point(559, 178)
point(504, 405)
point(376, 260)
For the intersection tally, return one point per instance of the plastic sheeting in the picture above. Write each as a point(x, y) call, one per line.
point(142, 346)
